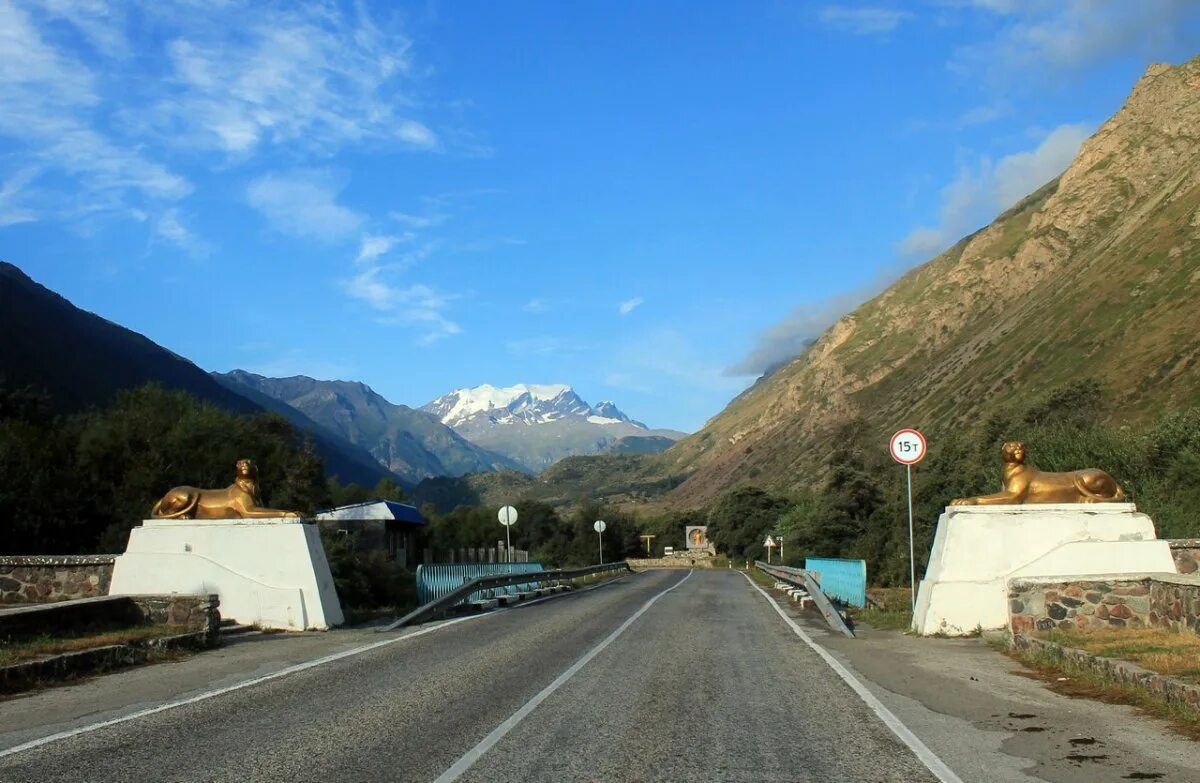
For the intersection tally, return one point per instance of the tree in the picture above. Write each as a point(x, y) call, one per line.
point(742, 518)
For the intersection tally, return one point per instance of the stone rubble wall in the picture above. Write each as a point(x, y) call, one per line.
point(1081, 604)
point(1175, 605)
point(1186, 552)
point(1078, 604)
point(45, 578)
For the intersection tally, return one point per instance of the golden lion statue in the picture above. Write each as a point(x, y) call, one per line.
point(1026, 484)
point(238, 500)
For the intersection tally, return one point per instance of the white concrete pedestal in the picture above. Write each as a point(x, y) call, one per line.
point(268, 572)
point(978, 549)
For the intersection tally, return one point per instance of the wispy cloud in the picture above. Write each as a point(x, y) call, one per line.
point(543, 346)
point(50, 105)
point(536, 305)
point(374, 246)
point(303, 203)
point(1058, 38)
point(12, 209)
point(981, 191)
point(629, 305)
point(863, 20)
point(414, 304)
point(253, 74)
point(171, 227)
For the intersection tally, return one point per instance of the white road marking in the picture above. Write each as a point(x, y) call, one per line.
point(473, 755)
point(62, 735)
point(922, 751)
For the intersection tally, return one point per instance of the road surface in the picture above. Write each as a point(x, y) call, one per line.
point(663, 675)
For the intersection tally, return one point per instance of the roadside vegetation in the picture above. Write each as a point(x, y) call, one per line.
point(15, 652)
point(1157, 649)
point(1070, 679)
point(856, 506)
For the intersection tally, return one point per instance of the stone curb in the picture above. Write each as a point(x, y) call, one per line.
point(1158, 686)
point(25, 675)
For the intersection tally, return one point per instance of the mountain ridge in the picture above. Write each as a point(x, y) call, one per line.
point(1094, 274)
point(537, 425)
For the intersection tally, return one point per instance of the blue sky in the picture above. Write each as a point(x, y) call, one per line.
point(649, 201)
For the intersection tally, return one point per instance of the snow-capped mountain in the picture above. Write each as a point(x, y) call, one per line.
point(539, 424)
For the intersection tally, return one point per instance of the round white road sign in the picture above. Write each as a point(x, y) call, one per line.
point(908, 447)
point(599, 527)
point(508, 516)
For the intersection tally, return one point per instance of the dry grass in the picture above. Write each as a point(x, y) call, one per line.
point(1159, 650)
point(47, 645)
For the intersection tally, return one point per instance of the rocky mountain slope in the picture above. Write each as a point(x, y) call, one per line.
point(408, 442)
point(81, 360)
point(1096, 275)
point(538, 425)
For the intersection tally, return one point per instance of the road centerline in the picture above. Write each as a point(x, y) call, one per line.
point(927, 757)
point(468, 759)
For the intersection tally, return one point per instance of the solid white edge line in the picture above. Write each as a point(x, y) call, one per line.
point(299, 667)
point(922, 751)
point(468, 759)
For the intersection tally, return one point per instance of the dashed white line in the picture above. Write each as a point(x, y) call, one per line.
point(62, 735)
point(473, 755)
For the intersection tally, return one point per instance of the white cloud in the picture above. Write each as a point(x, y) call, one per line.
point(416, 134)
point(629, 305)
point(542, 346)
point(415, 305)
point(978, 193)
point(1052, 38)
point(50, 104)
point(12, 211)
point(251, 74)
point(170, 227)
point(536, 305)
point(869, 20)
point(303, 203)
point(376, 246)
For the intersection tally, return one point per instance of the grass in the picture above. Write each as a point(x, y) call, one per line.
point(895, 620)
point(1159, 650)
point(48, 645)
point(1065, 677)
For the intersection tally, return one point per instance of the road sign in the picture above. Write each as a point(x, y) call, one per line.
point(770, 542)
point(599, 527)
point(508, 518)
point(908, 447)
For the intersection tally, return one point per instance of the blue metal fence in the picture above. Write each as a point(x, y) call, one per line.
point(845, 580)
point(435, 580)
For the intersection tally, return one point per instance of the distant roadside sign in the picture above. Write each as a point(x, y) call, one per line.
point(908, 447)
point(508, 516)
point(599, 527)
point(770, 542)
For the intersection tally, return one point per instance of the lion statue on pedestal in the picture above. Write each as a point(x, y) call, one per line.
point(1026, 484)
point(237, 501)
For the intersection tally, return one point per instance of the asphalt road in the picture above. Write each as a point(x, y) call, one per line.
point(626, 682)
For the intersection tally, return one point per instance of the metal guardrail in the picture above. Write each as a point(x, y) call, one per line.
point(457, 596)
point(845, 580)
point(805, 579)
point(436, 580)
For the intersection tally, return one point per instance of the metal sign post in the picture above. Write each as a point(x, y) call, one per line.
point(508, 517)
point(647, 537)
point(908, 447)
point(769, 544)
point(599, 528)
